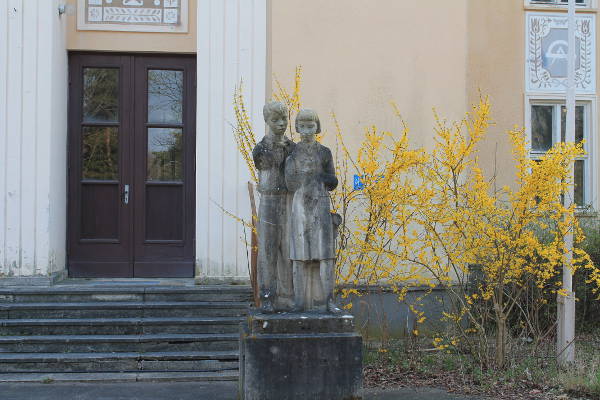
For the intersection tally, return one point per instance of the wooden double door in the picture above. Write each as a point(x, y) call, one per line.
point(131, 165)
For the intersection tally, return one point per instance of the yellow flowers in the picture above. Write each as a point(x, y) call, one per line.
point(439, 344)
point(432, 218)
point(243, 131)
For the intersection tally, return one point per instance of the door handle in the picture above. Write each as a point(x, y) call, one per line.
point(126, 194)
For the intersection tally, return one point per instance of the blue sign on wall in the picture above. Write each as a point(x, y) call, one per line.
point(358, 185)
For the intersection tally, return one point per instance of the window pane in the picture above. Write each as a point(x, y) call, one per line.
point(579, 125)
point(100, 153)
point(165, 96)
point(165, 154)
point(579, 183)
point(541, 127)
point(100, 95)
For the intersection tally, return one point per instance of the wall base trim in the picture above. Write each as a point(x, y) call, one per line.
point(222, 280)
point(48, 280)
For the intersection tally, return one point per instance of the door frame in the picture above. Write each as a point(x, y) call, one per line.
point(126, 61)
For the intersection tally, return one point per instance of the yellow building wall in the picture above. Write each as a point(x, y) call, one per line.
point(358, 56)
point(440, 54)
point(496, 68)
point(132, 41)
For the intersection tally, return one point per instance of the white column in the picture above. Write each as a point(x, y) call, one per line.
point(33, 130)
point(231, 47)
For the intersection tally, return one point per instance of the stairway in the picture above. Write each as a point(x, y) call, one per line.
point(120, 332)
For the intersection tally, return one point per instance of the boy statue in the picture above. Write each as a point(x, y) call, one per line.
point(274, 267)
point(310, 175)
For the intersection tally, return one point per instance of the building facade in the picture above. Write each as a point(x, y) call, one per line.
point(117, 157)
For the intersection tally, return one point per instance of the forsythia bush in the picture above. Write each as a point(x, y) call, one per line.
point(432, 218)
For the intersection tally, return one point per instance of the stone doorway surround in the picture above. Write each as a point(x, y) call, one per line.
point(33, 147)
point(232, 46)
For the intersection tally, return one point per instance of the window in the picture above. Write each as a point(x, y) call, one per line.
point(559, 2)
point(548, 121)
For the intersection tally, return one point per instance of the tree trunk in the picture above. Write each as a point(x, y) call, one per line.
point(500, 341)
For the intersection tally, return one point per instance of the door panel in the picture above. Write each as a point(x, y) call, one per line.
point(164, 187)
point(131, 165)
point(100, 237)
point(164, 220)
point(100, 211)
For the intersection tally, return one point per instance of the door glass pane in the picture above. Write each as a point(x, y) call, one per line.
point(100, 95)
point(579, 114)
point(541, 127)
point(165, 96)
point(579, 185)
point(165, 154)
point(100, 153)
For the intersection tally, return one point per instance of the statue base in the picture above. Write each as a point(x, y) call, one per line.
point(288, 356)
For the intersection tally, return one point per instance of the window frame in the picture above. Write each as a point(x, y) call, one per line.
point(590, 195)
point(558, 4)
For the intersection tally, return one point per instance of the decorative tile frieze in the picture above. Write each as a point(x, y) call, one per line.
point(133, 15)
point(547, 49)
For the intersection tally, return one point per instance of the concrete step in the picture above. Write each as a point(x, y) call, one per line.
point(119, 362)
point(118, 326)
point(117, 309)
point(118, 343)
point(121, 293)
point(119, 377)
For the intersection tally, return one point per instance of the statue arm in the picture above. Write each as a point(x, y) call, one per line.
point(261, 156)
point(293, 179)
point(328, 176)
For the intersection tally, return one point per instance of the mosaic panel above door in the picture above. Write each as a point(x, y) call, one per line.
point(546, 53)
point(133, 15)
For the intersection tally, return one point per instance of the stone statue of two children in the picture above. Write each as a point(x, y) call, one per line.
point(296, 229)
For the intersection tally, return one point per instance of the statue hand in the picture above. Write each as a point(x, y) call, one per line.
point(264, 160)
point(328, 179)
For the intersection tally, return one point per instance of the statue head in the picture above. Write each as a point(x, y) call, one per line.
point(308, 125)
point(276, 117)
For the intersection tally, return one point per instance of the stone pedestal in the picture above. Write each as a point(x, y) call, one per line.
point(288, 356)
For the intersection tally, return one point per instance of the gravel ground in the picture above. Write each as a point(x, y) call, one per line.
point(180, 391)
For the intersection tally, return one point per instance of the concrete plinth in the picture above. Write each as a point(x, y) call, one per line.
point(289, 356)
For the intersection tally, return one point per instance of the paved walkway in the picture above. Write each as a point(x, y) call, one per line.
point(177, 391)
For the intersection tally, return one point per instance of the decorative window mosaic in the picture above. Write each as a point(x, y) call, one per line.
point(547, 49)
point(133, 15)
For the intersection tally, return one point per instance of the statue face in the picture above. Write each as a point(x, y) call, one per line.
point(277, 123)
point(307, 130)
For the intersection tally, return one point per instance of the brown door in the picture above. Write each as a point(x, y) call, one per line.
point(131, 165)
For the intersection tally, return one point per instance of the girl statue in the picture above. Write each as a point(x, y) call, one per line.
point(310, 175)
